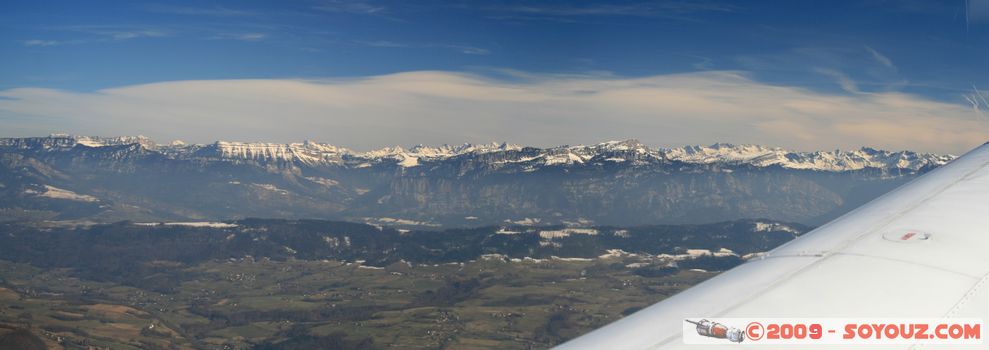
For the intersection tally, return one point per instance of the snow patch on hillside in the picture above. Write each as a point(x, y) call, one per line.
point(506, 231)
point(394, 221)
point(551, 234)
point(270, 188)
point(769, 227)
point(190, 224)
point(58, 193)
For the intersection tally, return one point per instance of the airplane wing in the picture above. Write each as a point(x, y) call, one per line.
point(920, 251)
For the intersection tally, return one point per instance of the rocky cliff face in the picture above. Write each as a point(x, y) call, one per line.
point(613, 183)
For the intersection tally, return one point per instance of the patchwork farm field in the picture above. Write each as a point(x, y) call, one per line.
point(310, 284)
point(263, 304)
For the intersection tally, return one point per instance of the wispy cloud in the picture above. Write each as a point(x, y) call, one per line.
point(99, 34)
point(124, 35)
point(216, 11)
point(978, 101)
point(915, 6)
point(37, 42)
point(651, 8)
point(241, 36)
point(540, 110)
point(842, 79)
point(465, 49)
point(470, 50)
point(252, 36)
point(976, 10)
point(855, 68)
point(578, 11)
point(91, 34)
point(116, 32)
point(882, 59)
point(702, 63)
point(349, 6)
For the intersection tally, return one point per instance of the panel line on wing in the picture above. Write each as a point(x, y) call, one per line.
point(913, 206)
point(911, 262)
point(881, 224)
point(845, 244)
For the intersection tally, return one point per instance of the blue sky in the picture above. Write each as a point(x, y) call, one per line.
point(934, 51)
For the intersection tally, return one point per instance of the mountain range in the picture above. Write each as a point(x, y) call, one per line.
point(62, 177)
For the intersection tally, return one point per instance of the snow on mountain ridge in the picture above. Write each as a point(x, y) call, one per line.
point(310, 153)
point(66, 142)
point(629, 152)
point(410, 157)
point(837, 160)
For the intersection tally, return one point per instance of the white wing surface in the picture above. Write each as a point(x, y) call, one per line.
point(920, 251)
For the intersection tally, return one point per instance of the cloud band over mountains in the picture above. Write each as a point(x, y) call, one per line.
point(436, 107)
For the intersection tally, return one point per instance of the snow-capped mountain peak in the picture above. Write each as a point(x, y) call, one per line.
point(55, 142)
point(309, 153)
point(838, 160)
point(627, 152)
